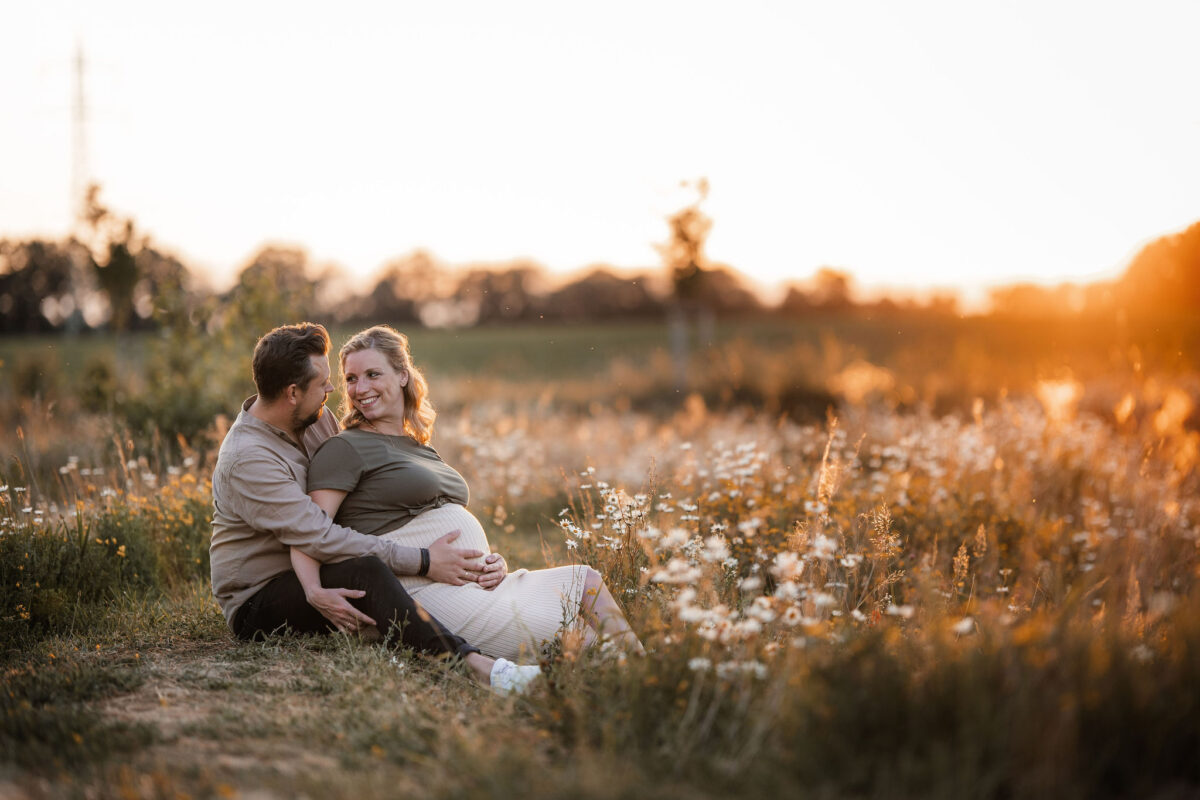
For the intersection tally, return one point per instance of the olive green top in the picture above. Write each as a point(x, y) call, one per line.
point(390, 479)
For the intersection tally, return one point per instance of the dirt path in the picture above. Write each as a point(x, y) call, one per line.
point(195, 697)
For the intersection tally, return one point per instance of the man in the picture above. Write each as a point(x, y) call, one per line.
point(260, 510)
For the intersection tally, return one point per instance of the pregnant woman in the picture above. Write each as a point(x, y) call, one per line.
point(380, 476)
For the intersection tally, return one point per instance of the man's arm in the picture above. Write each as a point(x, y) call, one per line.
point(267, 497)
point(446, 564)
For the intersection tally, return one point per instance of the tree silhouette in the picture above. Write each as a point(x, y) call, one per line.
point(38, 285)
point(602, 295)
point(1165, 275)
point(832, 289)
point(683, 252)
point(163, 280)
point(117, 276)
point(272, 289)
point(404, 286)
point(501, 295)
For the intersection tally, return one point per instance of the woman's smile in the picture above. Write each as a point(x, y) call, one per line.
point(375, 387)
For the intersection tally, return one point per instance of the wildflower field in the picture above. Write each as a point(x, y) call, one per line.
point(868, 558)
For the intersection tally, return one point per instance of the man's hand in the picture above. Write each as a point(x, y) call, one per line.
point(451, 564)
point(334, 607)
point(494, 571)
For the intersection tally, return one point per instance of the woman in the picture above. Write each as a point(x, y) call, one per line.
point(379, 475)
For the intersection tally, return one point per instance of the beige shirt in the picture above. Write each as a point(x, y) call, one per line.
point(260, 510)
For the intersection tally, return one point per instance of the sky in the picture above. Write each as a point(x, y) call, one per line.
point(916, 145)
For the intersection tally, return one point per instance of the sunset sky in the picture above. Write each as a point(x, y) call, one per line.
point(916, 145)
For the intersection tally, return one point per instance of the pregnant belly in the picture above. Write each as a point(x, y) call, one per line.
point(429, 526)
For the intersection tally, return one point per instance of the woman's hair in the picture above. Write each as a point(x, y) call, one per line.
point(282, 357)
point(418, 411)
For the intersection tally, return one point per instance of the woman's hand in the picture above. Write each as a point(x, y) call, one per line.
point(451, 564)
point(334, 607)
point(330, 602)
point(494, 571)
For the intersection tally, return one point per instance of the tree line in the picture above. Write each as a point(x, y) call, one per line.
point(112, 277)
point(1163, 278)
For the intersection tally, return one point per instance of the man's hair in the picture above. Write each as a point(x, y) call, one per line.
point(281, 358)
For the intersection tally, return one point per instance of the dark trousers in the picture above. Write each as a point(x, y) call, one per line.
point(281, 605)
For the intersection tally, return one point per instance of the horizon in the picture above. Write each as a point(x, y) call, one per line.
point(963, 149)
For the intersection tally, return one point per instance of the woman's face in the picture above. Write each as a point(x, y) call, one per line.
point(374, 387)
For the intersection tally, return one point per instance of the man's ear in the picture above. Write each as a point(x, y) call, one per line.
point(292, 392)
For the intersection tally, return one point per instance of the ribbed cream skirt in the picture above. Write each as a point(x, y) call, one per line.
point(510, 621)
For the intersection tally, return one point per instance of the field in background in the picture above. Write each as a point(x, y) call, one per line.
point(871, 558)
point(790, 367)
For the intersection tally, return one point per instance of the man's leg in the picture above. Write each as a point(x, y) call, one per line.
point(282, 603)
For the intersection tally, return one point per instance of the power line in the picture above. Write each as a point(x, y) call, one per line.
point(80, 178)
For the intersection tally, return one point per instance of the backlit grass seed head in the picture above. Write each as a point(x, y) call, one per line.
point(787, 566)
point(677, 570)
point(672, 540)
point(961, 562)
point(743, 629)
point(761, 609)
point(823, 548)
point(788, 591)
point(731, 670)
point(750, 584)
point(715, 549)
point(980, 546)
point(823, 600)
point(749, 527)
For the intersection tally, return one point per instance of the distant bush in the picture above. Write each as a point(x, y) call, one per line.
point(37, 376)
point(98, 388)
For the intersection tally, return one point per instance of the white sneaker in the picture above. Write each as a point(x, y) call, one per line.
point(510, 678)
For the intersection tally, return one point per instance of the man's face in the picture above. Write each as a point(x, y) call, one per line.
point(311, 401)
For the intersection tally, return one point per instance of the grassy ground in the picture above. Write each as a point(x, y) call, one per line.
point(156, 700)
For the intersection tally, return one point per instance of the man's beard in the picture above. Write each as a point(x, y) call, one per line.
point(311, 419)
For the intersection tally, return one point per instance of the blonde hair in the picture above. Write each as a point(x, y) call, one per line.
point(418, 410)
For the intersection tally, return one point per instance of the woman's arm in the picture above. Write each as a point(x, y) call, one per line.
point(332, 603)
point(330, 500)
point(307, 568)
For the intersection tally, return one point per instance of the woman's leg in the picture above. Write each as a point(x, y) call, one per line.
point(281, 604)
point(600, 610)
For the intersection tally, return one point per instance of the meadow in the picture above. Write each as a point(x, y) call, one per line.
point(869, 556)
